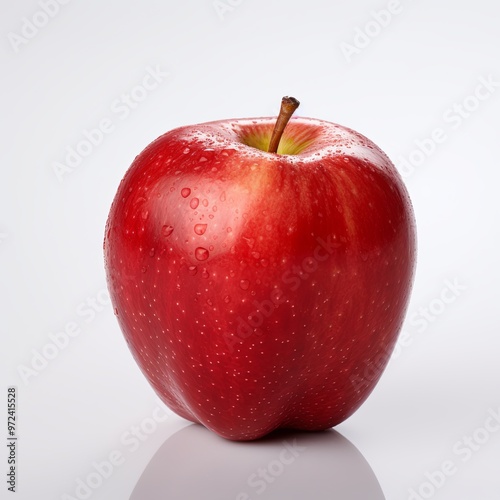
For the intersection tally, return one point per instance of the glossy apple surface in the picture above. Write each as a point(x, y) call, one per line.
point(261, 290)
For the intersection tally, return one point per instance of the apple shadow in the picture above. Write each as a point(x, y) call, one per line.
point(195, 464)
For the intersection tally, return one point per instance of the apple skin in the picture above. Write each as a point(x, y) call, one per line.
point(261, 290)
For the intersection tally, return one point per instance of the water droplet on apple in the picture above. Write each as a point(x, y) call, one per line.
point(166, 230)
point(185, 192)
point(250, 241)
point(214, 208)
point(201, 253)
point(192, 270)
point(116, 311)
point(145, 214)
point(264, 262)
point(255, 255)
point(227, 299)
point(210, 216)
point(209, 302)
point(244, 284)
point(194, 203)
point(144, 269)
point(205, 202)
point(186, 151)
point(204, 273)
point(152, 252)
point(202, 159)
point(223, 196)
point(200, 229)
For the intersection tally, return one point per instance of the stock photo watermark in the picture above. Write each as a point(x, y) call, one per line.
point(363, 36)
point(130, 441)
point(463, 450)
point(121, 108)
point(86, 312)
point(32, 25)
point(12, 437)
point(263, 477)
point(223, 7)
point(293, 279)
point(452, 119)
point(419, 321)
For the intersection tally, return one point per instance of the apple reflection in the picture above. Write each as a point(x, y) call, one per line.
point(196, 464)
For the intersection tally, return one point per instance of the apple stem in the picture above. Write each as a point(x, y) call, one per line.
point(288, 106)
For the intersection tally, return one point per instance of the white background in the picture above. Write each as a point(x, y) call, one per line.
point(408, 80)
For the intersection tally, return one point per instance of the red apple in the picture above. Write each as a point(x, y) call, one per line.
point(261, 290)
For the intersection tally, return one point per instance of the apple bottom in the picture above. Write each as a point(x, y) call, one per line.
point(315, 416)
point(302, 399)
